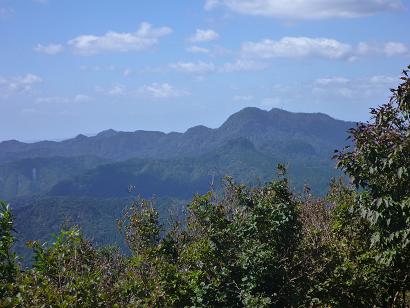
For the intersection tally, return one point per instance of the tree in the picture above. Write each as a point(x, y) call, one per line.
point(379, 164)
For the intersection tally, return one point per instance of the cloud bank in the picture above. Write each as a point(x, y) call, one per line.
point(204, 36)
point(307, 9)
point(144, 38)
point(50, 49)
point(19, 84)
point(306, 47)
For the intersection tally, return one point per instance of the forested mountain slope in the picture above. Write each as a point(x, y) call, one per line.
point(85, 180)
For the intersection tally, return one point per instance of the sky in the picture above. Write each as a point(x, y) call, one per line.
point(69, 66)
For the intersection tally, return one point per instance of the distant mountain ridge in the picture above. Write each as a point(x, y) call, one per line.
point(251, 141)
point(261, 127)
point(86, 180)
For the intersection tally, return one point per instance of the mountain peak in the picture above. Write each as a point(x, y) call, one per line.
point(248, 115)
point(107, 133)
point(318, 115)
point(80, 137)
point(11, 142)
point(199, 129)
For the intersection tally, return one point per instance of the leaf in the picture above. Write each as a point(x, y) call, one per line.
point(375, 238)
point(400, 172)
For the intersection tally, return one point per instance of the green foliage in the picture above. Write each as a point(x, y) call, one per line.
point(141, 226)
point(260, 247)
point(356, 279)
point(242, 246)
point(8, 264)
point(95, 199)
point(236, 249)
point(380, 164)
point(69, 273)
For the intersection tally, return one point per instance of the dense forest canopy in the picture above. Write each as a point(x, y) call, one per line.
point(248, 247)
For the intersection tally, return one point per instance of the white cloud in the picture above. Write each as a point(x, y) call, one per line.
point(215, 51)
point(304, 47)
point(19, 84)
point(383, 79)
point(204, 36)
point(52, 100)
point(394, 48)
point(297, 47)
point(117, 89)
point(361, 82)
point(211, 4)
point(29, 79)
point(242, 66)
point(145, 37)
point(99, 68)
point(82, 98)
point(112, 90)
point(365, 49)
point(388, 49)
point(50, 49)
point(202, 68)
point(152, 91)
point(127, 72)
point(307, 9)
point(161, 91)
point(197, 49)
point(331, 80)
point(357, 89)
point(79, 98)
point(331, 94)
point(198, 68)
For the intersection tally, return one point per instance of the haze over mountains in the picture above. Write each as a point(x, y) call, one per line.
point(83, 174)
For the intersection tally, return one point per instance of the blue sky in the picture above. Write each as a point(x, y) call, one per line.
point(70, 67)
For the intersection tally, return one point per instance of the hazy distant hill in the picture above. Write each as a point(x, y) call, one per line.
point(35, 176)
point(265, 129)
point(181, 177)
point(39, 218)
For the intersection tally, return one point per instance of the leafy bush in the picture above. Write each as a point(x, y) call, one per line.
point(8, 265)
point(380, 165)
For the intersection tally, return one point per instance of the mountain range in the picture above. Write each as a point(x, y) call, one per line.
point(102, 169)
point(267, 130)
